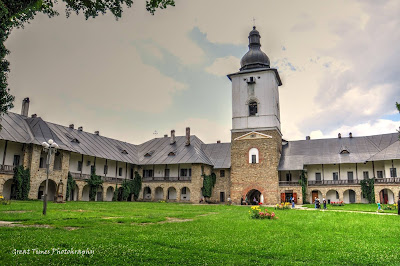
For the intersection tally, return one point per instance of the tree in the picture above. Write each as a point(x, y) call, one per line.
point(14, 13)
point(398, 106)
point(94, 183)
point(208, 184)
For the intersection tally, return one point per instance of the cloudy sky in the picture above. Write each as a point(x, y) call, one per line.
point(339, 62)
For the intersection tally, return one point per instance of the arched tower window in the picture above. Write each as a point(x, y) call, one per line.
point(252, 108)
point(253, 155)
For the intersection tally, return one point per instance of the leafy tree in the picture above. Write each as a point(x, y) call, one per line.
point(137, 185)
point(367, 188)
point(208, 184)
point(94, 183)
point(70, 185)
point(303, 183)
point(398, 106)
point(14, 13)
point(22, 183)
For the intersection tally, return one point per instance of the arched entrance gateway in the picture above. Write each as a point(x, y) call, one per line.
point(254, 197)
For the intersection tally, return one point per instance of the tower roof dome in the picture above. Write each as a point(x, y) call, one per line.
point(254, 58)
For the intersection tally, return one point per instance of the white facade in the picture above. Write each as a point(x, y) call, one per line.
point(264, 92)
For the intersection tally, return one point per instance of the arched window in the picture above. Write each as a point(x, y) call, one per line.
point(253, 155)
point(252, 108)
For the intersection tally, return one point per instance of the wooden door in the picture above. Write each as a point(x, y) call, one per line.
point(314, 195)
point(295, 197)
point(282, 197)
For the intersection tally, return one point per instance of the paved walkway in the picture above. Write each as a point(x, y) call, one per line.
point(313, 209)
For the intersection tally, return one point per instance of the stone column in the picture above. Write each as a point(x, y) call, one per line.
point(358, 196)
point(178, 194)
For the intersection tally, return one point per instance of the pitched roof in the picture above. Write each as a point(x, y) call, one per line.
point(296, 154)
point(160, 148)
point(219, 153)
point(14, 128)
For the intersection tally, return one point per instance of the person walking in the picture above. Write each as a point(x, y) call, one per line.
point(292, 201)
point(315, 202)
point(324, 202)
point(379, 206)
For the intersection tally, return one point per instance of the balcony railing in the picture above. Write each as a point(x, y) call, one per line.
point(333, 182)
point(80, 176)
point(108, 179)
point(167, 178)
point(387, 180)
point(7, 169)
point(353, 182)
point(289, 183)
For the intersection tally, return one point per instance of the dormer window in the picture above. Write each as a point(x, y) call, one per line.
point(122, 150)
point(252, 109)
point(71, 138)
point(171, 153)
point(344, 151)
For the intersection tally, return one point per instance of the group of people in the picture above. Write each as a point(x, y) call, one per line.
point(318, 203)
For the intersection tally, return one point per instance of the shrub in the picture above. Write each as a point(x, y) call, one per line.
point(4, 201)
point(257, 213)
point(390, 207)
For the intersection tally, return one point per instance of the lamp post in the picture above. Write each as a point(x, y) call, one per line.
point(51, 148)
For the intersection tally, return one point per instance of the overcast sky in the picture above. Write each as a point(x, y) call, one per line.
point(339, 62)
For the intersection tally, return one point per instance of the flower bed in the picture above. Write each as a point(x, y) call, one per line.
point(4, 201)
point(390, 207)
point(282, 206)
point(257, 213)
point(337, 203)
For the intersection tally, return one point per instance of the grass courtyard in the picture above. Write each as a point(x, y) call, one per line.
point(169, 233)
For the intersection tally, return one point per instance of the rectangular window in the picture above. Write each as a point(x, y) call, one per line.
point(16, 160)
point(253, 158)
point(288, 176)
point(318, 176)
point(335, 176)
point(190, 172)
point(105, 169)
point(184, 172)
point(92, 169)
point(366, 175)
point(120, 171)
point(222, 173)
point(41, 163)
point(393, 172)
point(79, 166)
point(379, 174)
point(147, 173)
point(166, 172)
point(350, 176)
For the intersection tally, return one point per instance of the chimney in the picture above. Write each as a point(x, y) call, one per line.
point(187, 136)
point(172, 137)
point(350, 135)
point(25, 107)
point(34, 115)
point(80, 128)
point(97, 133)
point(71, 126)
point(308, 137)
point(218, 141)
point(339, 136)
point(166, 136)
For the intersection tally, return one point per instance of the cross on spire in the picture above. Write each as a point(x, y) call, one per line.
point(254, 22)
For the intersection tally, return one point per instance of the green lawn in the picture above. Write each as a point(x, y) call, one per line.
point(211, 234)
point(354, 207)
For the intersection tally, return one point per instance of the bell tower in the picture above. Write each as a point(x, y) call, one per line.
point(256, 139)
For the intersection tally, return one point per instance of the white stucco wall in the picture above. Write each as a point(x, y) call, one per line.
point(264, 91)
point(13, 148)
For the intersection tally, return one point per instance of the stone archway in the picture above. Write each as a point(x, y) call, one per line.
point(73, 194)
point(9, 189)
point(332, 196)
point(85, 193)
point(386, 196)
point(159, 193)
point(254, 197)
point(315, 193)
point(99, 194)
point(185, 194)
point(172, 193)
point(51, 193)
point(110, 193)
point(349, 196)
point(147, 193)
